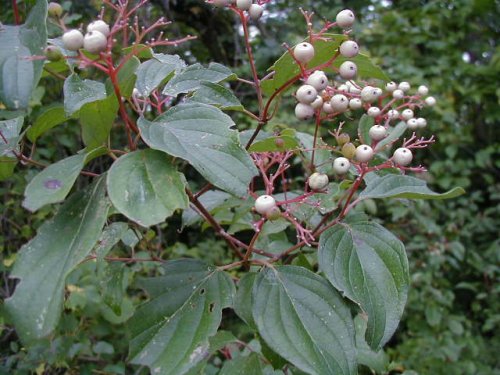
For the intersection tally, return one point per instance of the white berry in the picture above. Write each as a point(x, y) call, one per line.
point(318, 181)
point(393, 114)
point(264, 204)
point(306, 94)
point(421, 122)
point(318, 80)
point(244, 4)
point(339, 103)
point(373, 111)
point(391, 86)
point(303, 52)
point(100, 26)
point(430, 101)
point(402, 156)
point(95, 42)
point(327, 107)
point(398, 94)
point(341, 165)
point(407, 114)
point(345, 18)
point(422, 90)
point(355, 103)
point(255, 11)
point(349, 48)
point(412, 123)
point(352, 88)
point(72, 40)
point(369, 94)
point(404, 86)
point(317, 103)
point(304, 111)
point(363, 153)
point(348, 70)
point(377, 132)
point(343, 88)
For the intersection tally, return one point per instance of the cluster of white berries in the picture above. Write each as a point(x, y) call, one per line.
point(94, 41)
point(254, 10)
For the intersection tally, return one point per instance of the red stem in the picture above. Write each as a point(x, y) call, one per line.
point(16, 12)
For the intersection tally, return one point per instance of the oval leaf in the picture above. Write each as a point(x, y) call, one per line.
point(200, 134)
point(78, 92)
point(44, 263)
point(145, 187)
point(305, 320)
point(170, 332)
point(153, 72)
point(368, 264)
point(402, 186)
point(217, 95)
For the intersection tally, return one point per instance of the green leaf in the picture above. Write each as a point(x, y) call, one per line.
point(285, 67)
point(201, 135)
point(53, 184)
point(170, 332)
point(243, 299)
point(287, 140)
point(10, 130)
point(220, 340)
point(210, 200)
point(153, 72)
point(250, 365)
point(7, 166)
point(402, 186)
point(127, 76)
point(377, 361)
point(141, 51)
point(305, 320)
point(19, 72)
point(322, 159)
point(110, 236)
point(146, 187)
point(190, 79)
point(78, 92)
point(44, 263)
point(368, 264)
point(48, 119)
point(97, 119)
point(365, 123)
point(392, 136)
point(217, 95)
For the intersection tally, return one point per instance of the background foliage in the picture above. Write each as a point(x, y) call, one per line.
point(453, 311)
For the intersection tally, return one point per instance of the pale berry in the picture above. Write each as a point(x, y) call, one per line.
point(72, 40)
point(341, 165)
point(364, 153)
point(391, 86)
point(407, 114)
point(318, 80)
point(244, 4)
point(377, 132)
point(404, 86)
point(398, 94)
point(95, 42)
point(53, 53)
point(345, 18)
point(327, 107)
point(339, 103)
point(355, 103)
point(422, 122)
point(343, 88)
point(264, 204)
point(273, 214)
point(393, 114)
point(100, 26)
point(373, 111)
point(318, 181)
point(412, 123)
point(317, 103)
point(304, 111)
point(55, 10)
point(368, 94)
point(303, 52)
point(349, 48)
point(430, 101)
point(306, 94)
point(255, 11)
point(422, 90)
point(348, 70)
point(402, 156)
point(352, 88)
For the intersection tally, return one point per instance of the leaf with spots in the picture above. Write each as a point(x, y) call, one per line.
point(305, 320)
point(43, 264)
point(368, 264)
point(170, 332)
point(146, 187)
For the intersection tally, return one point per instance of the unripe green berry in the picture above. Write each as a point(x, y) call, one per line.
point(342, 139)
point(55, 10)
point(53, 53)
point(348, 150)
point(273, 214)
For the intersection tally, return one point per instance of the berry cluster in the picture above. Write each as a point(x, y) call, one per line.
point(94, 41)
point(324, 100)
point(254, 9)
